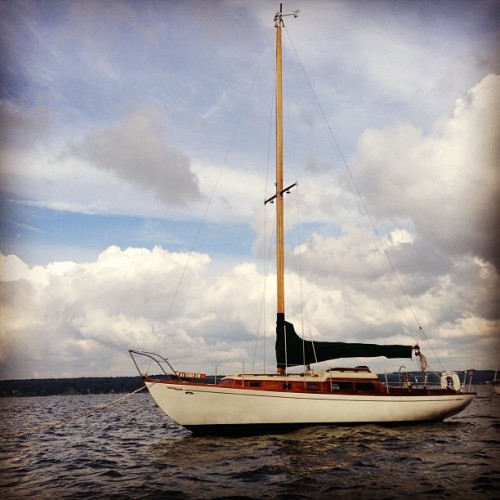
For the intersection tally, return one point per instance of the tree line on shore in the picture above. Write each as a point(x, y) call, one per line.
point(69, 386)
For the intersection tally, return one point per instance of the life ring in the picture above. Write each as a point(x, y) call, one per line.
point(450, 380)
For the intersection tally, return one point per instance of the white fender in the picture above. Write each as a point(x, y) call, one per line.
point(455, 381)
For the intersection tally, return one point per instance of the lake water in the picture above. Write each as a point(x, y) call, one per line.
point(132, 450)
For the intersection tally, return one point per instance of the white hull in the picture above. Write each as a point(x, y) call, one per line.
point(195, 407)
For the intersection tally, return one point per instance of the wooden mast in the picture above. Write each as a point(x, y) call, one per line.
point(280, 191)
point(280, 232)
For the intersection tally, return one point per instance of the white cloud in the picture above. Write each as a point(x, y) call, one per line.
point(68, 318)
point(446, 181)
point(56, 314)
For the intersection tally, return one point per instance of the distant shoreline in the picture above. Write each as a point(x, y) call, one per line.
point(69, 386)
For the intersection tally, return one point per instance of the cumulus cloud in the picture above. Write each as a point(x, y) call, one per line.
point(68, 317)
point(135, 150)
point(445, 180)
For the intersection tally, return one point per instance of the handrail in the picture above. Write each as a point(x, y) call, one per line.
point(157, 358)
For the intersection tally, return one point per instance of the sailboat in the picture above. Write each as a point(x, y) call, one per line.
point(245, 403)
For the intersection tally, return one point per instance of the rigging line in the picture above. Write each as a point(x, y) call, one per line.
point(38, 428)
point(298, 262)
point(303, 310)
point(267, 253)
point(359, 195)
point(301, 289)
point(263, 301)
point(302, 301)
point(304, 316)
point(210, 201)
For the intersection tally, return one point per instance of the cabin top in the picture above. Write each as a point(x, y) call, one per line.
point(359, 372)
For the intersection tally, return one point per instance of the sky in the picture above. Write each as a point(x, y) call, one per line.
point(137, 151)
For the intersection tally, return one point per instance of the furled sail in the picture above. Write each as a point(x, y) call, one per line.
point(291, 350)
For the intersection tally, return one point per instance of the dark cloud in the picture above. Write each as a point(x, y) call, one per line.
point(135, 150)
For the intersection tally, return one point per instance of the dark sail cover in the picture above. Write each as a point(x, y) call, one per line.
point(305, 352)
